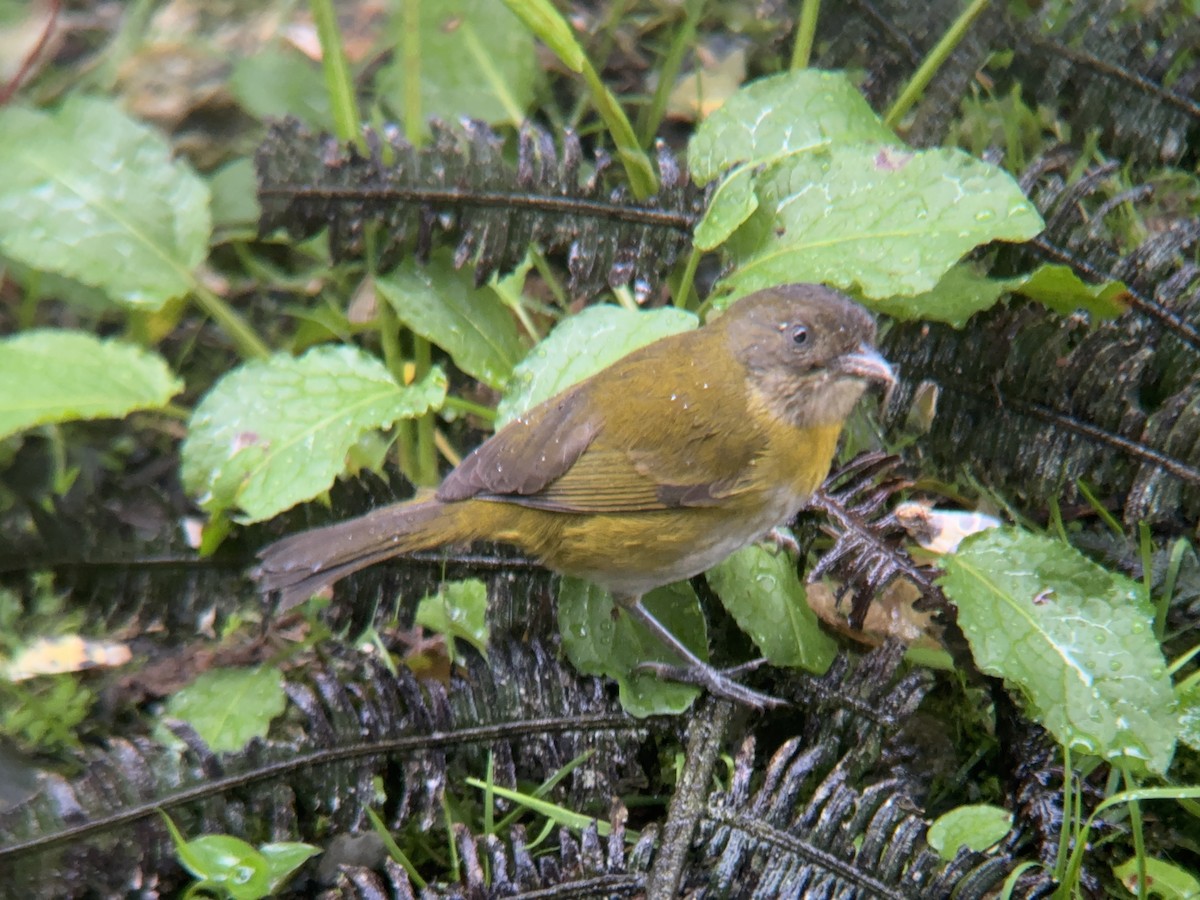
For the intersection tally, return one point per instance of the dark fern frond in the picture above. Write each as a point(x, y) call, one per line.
point(1131, 76)
point(811, 827)
point(584, 866)
point(1033, 404)
point(354, 726)
point(461, 186)
point(866, 553)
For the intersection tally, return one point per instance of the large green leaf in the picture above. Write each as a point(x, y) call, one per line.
point(273, 433)
point(1076, 639)
point(581, 346)
point(476, 60)
point(599, 640)
point(763, 593)
point(58, 376)
point(875, 218)
point(89, 193)
point(783, 114)
point(472, 324)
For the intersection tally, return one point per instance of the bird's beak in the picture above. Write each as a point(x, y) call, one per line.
point(866, 363)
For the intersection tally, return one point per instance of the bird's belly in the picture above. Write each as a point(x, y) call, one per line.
point(632, 553)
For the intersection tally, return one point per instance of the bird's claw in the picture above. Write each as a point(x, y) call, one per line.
point(716, 682)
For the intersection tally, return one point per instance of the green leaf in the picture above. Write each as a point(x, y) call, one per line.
point(228, 707)
point(1059, 288)
point(1189, 715)
point(234, 197)
point(783, 114)
point(457, 610)
point(961, 292)
point(762, 592)
point(477, 61)
point(275, 432)
point(581, 346)
point(89, 193)
point(279, 81)
point(547, 23)
point(1164, 880)
point(733, 202)
point(284, 858)
point(975, 827)
point(1076, 639)
point(228, 865)
point(472, 324)
point(59, 376)
point(877, 218)
point(599, 641)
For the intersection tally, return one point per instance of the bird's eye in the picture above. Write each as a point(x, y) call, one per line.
point(799, 335)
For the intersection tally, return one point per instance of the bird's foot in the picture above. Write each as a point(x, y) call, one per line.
point(717, 682)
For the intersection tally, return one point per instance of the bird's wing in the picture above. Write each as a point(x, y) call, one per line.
point(674, 447)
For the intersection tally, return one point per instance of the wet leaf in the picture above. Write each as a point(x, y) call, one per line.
point(583, 345)
point(59, 376)
point(1076, 639)
point(228, 707)
point(273, 433)
point(89, 193)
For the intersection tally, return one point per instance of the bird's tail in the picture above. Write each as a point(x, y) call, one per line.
point(302, 564)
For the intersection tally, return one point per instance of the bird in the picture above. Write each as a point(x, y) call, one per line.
point(648, 472)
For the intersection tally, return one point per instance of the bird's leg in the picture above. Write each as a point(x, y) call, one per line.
point(695, 670)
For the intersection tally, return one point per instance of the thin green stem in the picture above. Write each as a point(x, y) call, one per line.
point(466, 407)
point(683, 296)
point(1139, 836)
point(410, 41)
point(338, 82)
point(547, 23)
point(652, 115)
point(425, 467)
point(934, 61)
point(549, 276)
point(249, 344)
point(1069, 825)
point(806, 30)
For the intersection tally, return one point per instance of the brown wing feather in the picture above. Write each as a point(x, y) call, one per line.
point(671, 450)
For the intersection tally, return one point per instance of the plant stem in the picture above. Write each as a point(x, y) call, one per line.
point(683, 294)
point(338, 83)
point(934, 61)
point(547, 23)
point(652, 115)
point(806, 30)
point(249, 345)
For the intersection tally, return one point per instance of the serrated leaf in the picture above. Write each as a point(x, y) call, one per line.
point(875, 218)
point(89, 193)
point(764, 595)
point(782, 114)
point(275, 432)
point(228, 707)
point(1076, 639)
point(457, 610)
point(472, 324)
point(476, 61)
point(581, 346)
point(975, 827)
point(59, 376)
point(600, 641)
